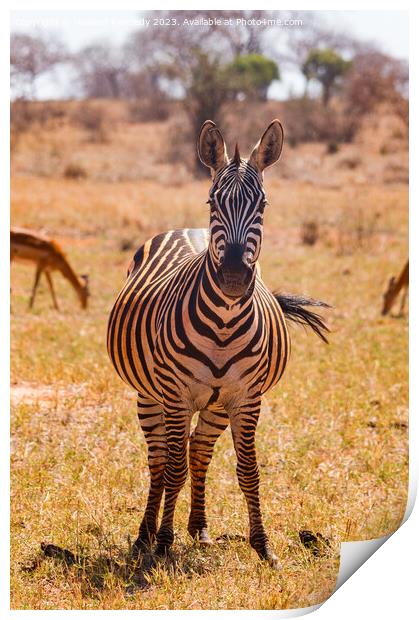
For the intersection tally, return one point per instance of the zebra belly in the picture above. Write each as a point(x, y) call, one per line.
point(211, 395)
point(201, 384)
point(212, 381)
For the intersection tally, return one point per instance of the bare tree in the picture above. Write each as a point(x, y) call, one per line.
point(102, 69)
point(313, 32)
point(376, 78)
point(33, 55)
point(244, 38)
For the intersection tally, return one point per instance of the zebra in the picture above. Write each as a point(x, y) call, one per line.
point(195, 329)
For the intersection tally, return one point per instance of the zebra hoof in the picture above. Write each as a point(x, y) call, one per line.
point(203, 538)
point(141, 545)
point(268, 556)
point(200, 536)
point(162, 550)
point(273, 561)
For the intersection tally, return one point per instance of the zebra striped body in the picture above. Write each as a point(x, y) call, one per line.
point(168, 329)
point(195, 329)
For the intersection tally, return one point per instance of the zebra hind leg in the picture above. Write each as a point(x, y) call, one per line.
point(151, 419)
point(209, 427)
point(243, 426)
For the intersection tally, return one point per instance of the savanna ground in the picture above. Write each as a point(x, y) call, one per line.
point(332, 438)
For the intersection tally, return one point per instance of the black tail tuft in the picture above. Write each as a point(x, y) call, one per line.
point(293, 306)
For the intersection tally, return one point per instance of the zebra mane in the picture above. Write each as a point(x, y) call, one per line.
point(236, 158)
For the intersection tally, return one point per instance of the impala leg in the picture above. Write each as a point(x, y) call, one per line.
point(51, 289)
point(243, 426)
point(38, 273)
point(178, 423)
point(151, 419)
point(209, 427)
point(403, 301)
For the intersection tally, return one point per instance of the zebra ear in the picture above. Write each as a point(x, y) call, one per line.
point(268, 150)
point(211, 147)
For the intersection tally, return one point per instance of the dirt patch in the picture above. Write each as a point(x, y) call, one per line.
point(31, 393)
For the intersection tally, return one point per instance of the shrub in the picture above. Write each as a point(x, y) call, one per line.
point(376, 78)
point(309, 232)
point(385, 149)
point(74, 171)
point(92, 119)
point(292, 141)
point(148, 110)
point(332, 147)
point(350, 162)
point(307, 120)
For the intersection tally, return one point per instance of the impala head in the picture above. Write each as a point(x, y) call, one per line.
point(237, 200)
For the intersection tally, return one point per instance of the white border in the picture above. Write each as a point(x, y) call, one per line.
point(395, 564)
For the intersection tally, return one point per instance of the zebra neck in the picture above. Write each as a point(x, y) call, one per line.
point(211, 294)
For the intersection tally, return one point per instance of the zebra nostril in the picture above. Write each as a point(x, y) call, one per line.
point(247, 258)
point(248, 277)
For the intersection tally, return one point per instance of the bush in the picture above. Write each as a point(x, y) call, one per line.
point(246, 121)
point(180, 143)
point(309, 232)
point(92, 119)
point(350, 162)
point(21, 119)
point(385, 149)
point(333, 147)
point(307, 120)
point(376, 78)
point(292, 141)
point(148, 110)
point(74, 172)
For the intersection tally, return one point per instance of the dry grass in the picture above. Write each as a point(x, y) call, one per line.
point(332, 439)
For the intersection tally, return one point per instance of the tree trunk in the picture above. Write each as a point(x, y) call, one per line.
point(327, 92)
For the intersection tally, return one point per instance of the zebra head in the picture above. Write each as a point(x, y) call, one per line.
point(237, 201)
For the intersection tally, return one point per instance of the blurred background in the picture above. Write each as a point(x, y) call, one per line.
point(105, 111)
point(333, 78)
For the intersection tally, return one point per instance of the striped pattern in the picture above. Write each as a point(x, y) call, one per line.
point(185, 347)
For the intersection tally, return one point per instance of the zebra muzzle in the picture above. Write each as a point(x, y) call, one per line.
point(235, 273)
point(235, 283)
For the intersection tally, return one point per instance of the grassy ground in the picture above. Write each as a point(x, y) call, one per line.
point(332, 439)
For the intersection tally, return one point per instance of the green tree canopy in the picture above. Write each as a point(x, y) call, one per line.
point(251, 75)
point(326, 66)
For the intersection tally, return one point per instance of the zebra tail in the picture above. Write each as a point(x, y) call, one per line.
point(294, 309)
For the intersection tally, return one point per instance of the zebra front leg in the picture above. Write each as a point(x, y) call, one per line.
point(178, 422)
point(151, 419)
point(243, 426)
point(209, 427)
